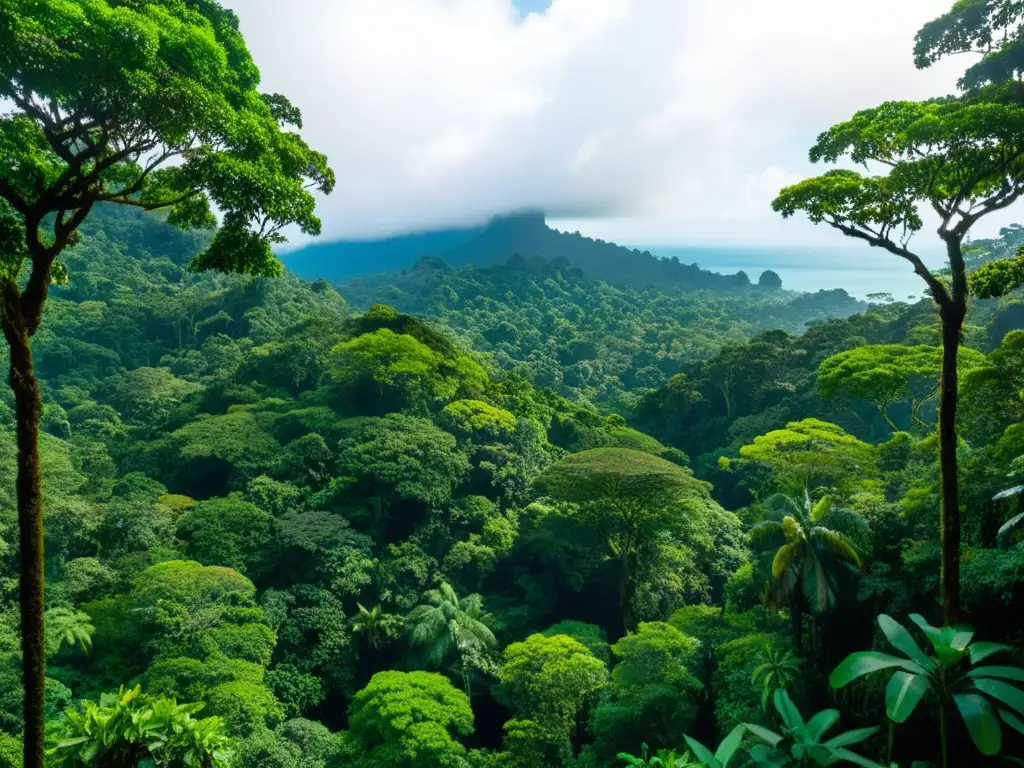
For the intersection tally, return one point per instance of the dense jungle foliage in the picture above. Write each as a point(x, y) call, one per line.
point(514, 516)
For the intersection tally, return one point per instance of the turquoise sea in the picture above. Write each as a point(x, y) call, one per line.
point(859, 271)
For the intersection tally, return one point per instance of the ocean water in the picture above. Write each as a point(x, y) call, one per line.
point(859, 271)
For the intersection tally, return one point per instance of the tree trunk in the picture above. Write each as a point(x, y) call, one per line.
point(796, 616)
point(28, 412)
point(952, 323)
point(626, 595)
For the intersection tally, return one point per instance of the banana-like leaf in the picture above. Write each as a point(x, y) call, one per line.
point(902, 641)
point(853, 757)
point(1012, 720)
point(771, 738)
point(961, 637)
point(701, 752)
point(727, 749)
point(851, 737)
point(820, 723)
point(979, 651)
point(1004, 693)
point(903, 693)
point(865, 662)
point(1004, 673)
point(981, 722)
point(790, 714)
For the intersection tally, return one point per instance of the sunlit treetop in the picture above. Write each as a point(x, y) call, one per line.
point(986, 27)
point(962, 159)
point(153, 104)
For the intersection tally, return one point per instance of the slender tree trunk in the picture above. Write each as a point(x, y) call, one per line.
point(952, 323)
point(626, 594)
point(796, 616)
point(28, 413)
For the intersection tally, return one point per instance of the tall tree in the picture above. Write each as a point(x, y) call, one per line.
point(963, 159)
point(630, 499)
point(171, 120)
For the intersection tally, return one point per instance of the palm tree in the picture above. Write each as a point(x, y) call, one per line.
point(779, 670)
point(68, 626)
point(376, 626)
point(810, 547)
point(445, 625)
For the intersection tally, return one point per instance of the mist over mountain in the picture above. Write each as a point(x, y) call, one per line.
point(524, 234)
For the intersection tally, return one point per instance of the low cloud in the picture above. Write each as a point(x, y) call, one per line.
point(679, 118)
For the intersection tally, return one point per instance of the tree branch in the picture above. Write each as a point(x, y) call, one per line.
point(938, 290)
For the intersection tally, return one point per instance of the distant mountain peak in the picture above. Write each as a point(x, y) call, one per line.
point(524, 233)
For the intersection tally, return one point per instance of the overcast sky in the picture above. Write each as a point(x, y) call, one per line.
point(640, 121)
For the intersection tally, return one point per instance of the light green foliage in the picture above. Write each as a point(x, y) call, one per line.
point(65, 626)
point(886, 374)
point(595, 638)
point(403, 370)
point(811, 454)
point(549, 680)
point(10, 751)
point(407, 719)
point(478, 420)
point(130, 728)
point(656, 653)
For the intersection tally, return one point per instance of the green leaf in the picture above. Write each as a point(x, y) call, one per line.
point(1005, 693)
point(701, 752)
point(853, 757)
point(1006, 673)
point(981, 722)
point(979, 651)
point(820, 723)
point(768, 737)
point(727, 749)
point(903, 693)
point(864, 663)
point(790, 714)
point(934, 634)
point(852, 737)
point(901, 640)
point(1012, 720)
point(960, 637)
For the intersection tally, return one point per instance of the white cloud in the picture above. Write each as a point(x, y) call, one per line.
point(647, 120)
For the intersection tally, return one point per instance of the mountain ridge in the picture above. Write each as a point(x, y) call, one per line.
point(524, 234)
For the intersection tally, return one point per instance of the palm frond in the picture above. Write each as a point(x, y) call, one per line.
point(785, 557)
point(837, 543)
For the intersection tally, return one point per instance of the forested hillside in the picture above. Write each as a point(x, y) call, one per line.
point(588, 339)
point(575, 508)
point(251, 488)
